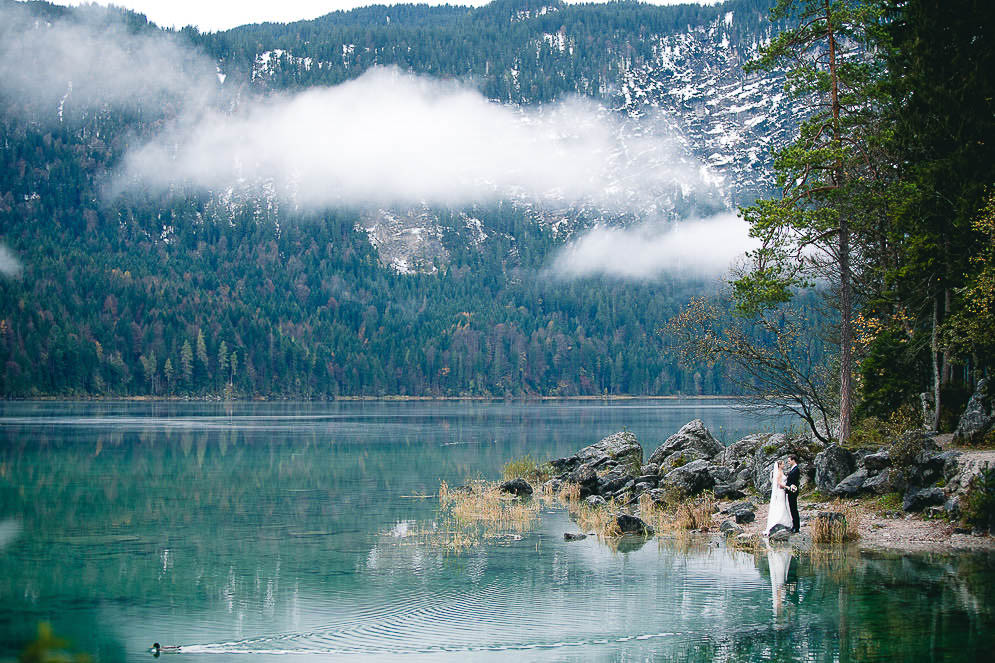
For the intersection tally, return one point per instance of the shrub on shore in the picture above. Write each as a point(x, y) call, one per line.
point(839, 524)
point(527, 468)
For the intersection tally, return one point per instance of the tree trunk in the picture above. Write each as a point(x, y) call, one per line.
point(934, 343)
point(846, 333)
point(846, 287)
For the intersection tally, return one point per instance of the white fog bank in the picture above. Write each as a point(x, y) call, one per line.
point(704, 247)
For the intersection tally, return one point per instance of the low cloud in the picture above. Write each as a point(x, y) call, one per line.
point(392, 138)
point(91, 59)
point(387, 138)
point(10, 266)
point(703, 247)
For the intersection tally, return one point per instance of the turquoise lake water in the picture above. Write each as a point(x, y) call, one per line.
point(250, 532)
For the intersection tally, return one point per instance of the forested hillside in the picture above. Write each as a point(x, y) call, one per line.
point(143, 253)
point(190, 294)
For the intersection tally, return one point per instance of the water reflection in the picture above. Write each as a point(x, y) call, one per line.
point(289, 531)
point(779, 562)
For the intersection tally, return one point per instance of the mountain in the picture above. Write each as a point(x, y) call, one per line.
point(244, 289)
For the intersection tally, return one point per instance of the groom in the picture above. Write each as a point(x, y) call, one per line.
point(791, 480)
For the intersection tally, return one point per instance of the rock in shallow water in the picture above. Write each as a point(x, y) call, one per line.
point(632, 525)
point(570, 536)
point(518, 487)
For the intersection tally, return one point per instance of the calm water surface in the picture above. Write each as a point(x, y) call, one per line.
point(248, 532)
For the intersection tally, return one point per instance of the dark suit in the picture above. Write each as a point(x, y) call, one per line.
point(792, 479)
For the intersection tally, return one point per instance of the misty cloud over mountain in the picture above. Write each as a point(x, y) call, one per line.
point(386, 138)
point(694, 248)
point(391, 138)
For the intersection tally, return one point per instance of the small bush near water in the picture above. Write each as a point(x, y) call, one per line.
point(527, 468)
point(838, 524)
point(979, 502)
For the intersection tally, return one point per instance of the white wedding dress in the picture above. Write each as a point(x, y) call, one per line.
point(779, 513)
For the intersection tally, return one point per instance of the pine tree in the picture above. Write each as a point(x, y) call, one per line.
point(186, 363)
point(807, 231)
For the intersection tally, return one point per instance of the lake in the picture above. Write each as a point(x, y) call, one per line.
point(247, 532)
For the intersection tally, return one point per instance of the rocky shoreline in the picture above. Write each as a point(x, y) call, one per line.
point(906, 496)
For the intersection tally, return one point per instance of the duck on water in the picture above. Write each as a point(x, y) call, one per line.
point(159, 649)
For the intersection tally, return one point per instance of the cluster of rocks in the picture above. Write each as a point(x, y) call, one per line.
point(691, 461)
point(688, 463)
point(913, 467)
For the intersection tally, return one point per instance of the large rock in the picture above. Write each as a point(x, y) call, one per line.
point(850, 486)
point(831, 466)
point(623, 448)
point(917, 500)
point(880, 483)
point(690, 479)
point(872, 462)
point(977, 420)
point(693, 440)
point(619, 449)
point(632, 525)
point(730, 528)
point(519, 487)
point(738, 456)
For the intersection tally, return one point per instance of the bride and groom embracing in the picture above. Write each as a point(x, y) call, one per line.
point(784, 495)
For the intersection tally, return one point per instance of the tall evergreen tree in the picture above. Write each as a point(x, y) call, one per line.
point(807, 232)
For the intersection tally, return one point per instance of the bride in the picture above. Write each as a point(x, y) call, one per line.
point(778, 514)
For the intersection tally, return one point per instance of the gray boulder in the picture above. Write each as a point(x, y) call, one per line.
point(622, 448)
point(692, 478)
point(742, 512)
point(632, 525)
point(851, 485)
point(729, 491)
point(650, 468)
point(831, 466)
point(518, 487)
point(977, 420)
point(917, 500)
point(595, 501)
point(570, 536)
point(720, 473)
point(612, 482)
point(693, 439)
point(779, 534)
point(738, 456)
point(880, 483)
point(745, 516)
point(585, 475)
point(730, 528)
point(872, 462)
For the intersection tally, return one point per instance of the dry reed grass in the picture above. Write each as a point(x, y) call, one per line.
point(836, 530)
point(477, 512)
point(570, 492)
point(602, 519)
point(689, 513)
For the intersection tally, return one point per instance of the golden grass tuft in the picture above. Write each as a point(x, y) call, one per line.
point(602, 519)
point(687, 513)
point(570, 492)
point(836, 530)
point(479, 511)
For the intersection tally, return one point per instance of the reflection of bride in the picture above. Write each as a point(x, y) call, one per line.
point(779, 561)
point(778, 513)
